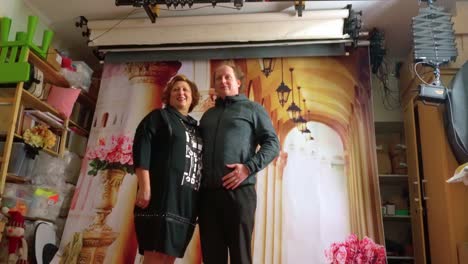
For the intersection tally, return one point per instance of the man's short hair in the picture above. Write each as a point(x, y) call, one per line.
point(237, 73)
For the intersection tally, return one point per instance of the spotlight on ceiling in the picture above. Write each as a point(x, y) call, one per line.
point(238, 4)
point(353, 25)
point(150, 6)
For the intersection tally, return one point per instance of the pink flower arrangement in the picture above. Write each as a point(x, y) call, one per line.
point(355, 251)
point(115, 153)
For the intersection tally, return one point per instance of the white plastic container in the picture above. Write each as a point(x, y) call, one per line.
point(85, 73)
point(390, 209)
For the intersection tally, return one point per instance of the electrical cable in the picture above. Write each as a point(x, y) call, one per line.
point(417, 74)
point(200, 7)
point(390, 97)
point(115, 25)
point(137, 10)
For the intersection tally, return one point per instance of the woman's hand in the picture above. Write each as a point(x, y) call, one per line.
point(143, 197)
point(144, 188)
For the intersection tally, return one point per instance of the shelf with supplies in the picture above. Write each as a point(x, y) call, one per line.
point(51, 152)
point(34, 219)
point(393, 179)
point(17, 179)
point(54, 77)
point(22, 108)
point(399, 258)
point(19, 139)
point(31, 101)
point(393, 176)
point(73, 126)
point(50, 74)
point(87, 99)
point(397, 217)
point(394, 188)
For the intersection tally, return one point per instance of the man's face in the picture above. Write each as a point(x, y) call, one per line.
point(226, 83)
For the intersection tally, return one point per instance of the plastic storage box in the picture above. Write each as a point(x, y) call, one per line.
point(17, 156)
point(17, 196)
point(45, 203)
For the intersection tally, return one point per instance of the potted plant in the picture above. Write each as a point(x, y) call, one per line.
point(112, 159)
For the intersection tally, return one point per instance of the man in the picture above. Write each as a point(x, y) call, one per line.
point(232, 131)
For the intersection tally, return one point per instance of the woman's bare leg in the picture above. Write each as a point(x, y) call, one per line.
point(153, 257)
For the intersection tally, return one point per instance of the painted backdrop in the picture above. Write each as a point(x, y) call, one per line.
point(321, 188)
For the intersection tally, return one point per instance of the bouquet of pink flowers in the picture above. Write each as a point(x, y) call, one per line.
point(115, 153)
point(355, 251)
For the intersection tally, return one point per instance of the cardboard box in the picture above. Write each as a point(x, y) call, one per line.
point(384, 164)
point(54, 59)
point(46, 91)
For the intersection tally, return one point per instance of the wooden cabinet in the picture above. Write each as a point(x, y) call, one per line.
point(439, 209)
point(412, 150)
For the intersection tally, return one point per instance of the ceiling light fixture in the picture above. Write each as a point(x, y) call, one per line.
point(267, 65)
point(283, 90)
point(300, 121)
point(293, 110)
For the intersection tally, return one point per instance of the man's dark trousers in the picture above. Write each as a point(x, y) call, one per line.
point(226, 222)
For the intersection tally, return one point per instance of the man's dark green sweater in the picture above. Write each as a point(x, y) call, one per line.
point(231, 132)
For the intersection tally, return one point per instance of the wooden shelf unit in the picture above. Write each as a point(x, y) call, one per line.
point(50, 74)
point(396, 217)
point(17, 179)
point(393, 176)
point(77, 128)
point(393, 185)
point(400, 257)
point(31, 101)
point(15, 97)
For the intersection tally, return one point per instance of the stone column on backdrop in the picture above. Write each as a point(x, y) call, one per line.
point(148, 81)
point(278, 213)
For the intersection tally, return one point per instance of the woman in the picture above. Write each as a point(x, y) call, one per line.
point(167, 156)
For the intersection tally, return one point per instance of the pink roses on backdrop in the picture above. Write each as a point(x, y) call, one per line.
point(355, 251)
point(113, 153)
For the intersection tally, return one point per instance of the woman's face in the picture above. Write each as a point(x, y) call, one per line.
point(181, 96)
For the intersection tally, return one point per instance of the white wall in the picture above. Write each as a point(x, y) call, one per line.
point(18, 11)
point(381, 113)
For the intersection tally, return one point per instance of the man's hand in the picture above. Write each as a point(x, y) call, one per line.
point(233, 179)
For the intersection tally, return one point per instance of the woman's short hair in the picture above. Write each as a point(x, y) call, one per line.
point(181, 78)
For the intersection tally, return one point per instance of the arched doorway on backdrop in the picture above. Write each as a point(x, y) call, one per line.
point(315, 194)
